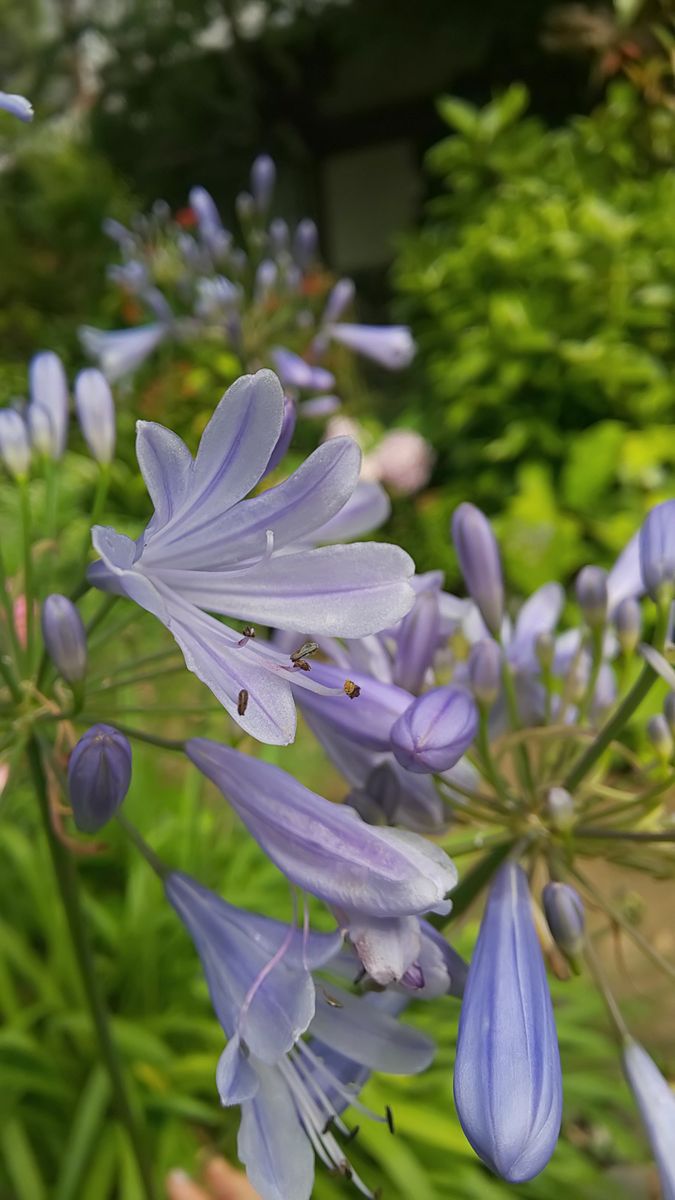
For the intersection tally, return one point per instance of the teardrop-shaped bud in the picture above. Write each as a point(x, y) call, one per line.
point(436, 730)
point(657, 548)
point(485, 664)
point(591, 589)
point(566, 917)
point(65, 637)
point(480, 563)
point(628, 624)
point(508, 1084)
point(99, 774)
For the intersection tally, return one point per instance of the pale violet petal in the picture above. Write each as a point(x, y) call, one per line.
point(18, 106)
point(272, 1143)
point(370, 1036)
point(165, 463)
point(386, 947)
point(625, 578)
point(236, 1079)
point(367, 508)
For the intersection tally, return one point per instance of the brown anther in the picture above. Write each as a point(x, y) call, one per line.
point(304, 651)
point(351, 689)
point(248, 631)
point(390, 1118)
point(242, 702)
point(300, 665)
point(330, 1000)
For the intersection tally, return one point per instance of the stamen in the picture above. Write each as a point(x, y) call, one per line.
point(242, 702)
point(390, 1118)
point(351, 689)
point(346, 1092)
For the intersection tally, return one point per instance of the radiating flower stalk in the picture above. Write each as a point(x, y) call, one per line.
point(462, 727)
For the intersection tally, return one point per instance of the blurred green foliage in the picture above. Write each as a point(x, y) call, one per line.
point(541, 289)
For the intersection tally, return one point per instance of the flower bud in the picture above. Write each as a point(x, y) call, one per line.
point(339, 298)
point(40, 430)
point(391, 346)
point(265, 279)
point(657, 548)
point(508, 1083)
point(49, 390)
point(435, 731)
point(99, 773)
point(480, 563)
point(417, 642)
point(278, 235)
point(485, 663)
point(545, 650)
point(244, 206)
point(305, 243)
point(560, 808)
point(661, 737)
point(566, 917)
point(96, 413)
point(263, 179)
point(14, 443)
point(628, 624)
point(656, 1102)
point(64, 637)
point(591, 588)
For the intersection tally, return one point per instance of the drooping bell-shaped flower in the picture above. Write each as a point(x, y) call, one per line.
point(326, 848)
point(49, 390)
point(566, 918)
point(295, 372)
point(95, 409)
point(436, 730)
point(18, 106)
point(65, 637)
point(508, 1086)
point(657, 548)
point(656, 1101)
point(390, 346)
point(480, 563)
point(99, 774)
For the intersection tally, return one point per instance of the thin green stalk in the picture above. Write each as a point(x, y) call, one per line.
point(24, 499)
point(488, 763)
point(9, 678)
point(146, 677)
point(619, 919)
point(66, 878)
point(6, 601)
point(623, 713)
point(141, 845)
point(525, 769)
point(101, 614)
point(100, 496)
point(605, 991)
point(625, 835)
point(133, 663)
point(51, 498)
point(141, 735)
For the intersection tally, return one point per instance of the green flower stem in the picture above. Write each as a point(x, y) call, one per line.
point(101, 613)
point(141, 735)
point(488, 764)
point(132, 664)
point(142, 846)
point(146, 677)
point(625, 835)
point(24, 501)
point(9, 611)
point(66, 877)
point(603, 987)
point(522, 756)
point(631, 701)
point(100, 496)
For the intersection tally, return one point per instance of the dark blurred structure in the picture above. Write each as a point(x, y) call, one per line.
point(342, 94)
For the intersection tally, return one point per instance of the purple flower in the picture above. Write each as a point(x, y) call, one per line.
point(292, 1092)
point(436, 730)
point(339, 298)
point(391, 346)
point(326, 848)
point(18, 106)
point(625, 578)
point(656, 1102)
point(417, 640)
point(209, 223)
point(305, 243)
point(320, 406)
point(295, 372)
point(591, 589)
point(657, 548)
point(628, 623)
point(484, 671)
point(121, 351)
point(207, 548)
point(96, 413)
point(263, 179)
point(480, 563)
point(99, 773)
point(285, 437)
point(508, 1087)
point(64, 637)
point(49, 391)
point(566, 918)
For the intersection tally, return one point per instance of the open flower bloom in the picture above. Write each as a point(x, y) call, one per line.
point(292, 1093)
point(374, 879)
point(118, 352)
point(208, 548)
point(508, 1086)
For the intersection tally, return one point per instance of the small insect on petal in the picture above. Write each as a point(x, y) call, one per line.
point(351, 689)
point(242, 702)
point(248, 631)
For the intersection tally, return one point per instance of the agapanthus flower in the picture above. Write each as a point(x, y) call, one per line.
point(657, 548)
point(508, 1087)
point(15, 447)
point(208, 548)
point(49, 392)
point(96, 413)
point(656, 1101)
point(292, 1092)
point(18, 106)
point(118, 352)
point(373, 878)
point(295, 372)
point(390, 346)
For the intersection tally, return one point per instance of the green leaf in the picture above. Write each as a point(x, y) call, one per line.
point(85, 1130)
point(21, 1163)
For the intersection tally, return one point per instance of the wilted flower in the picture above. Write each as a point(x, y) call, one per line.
point(99, 774)
point(96, 413)
point(480, 563)
point(508, 1088)
point(65, 637)
point(436, 730)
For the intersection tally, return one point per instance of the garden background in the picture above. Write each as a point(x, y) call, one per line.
point(502, 178)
